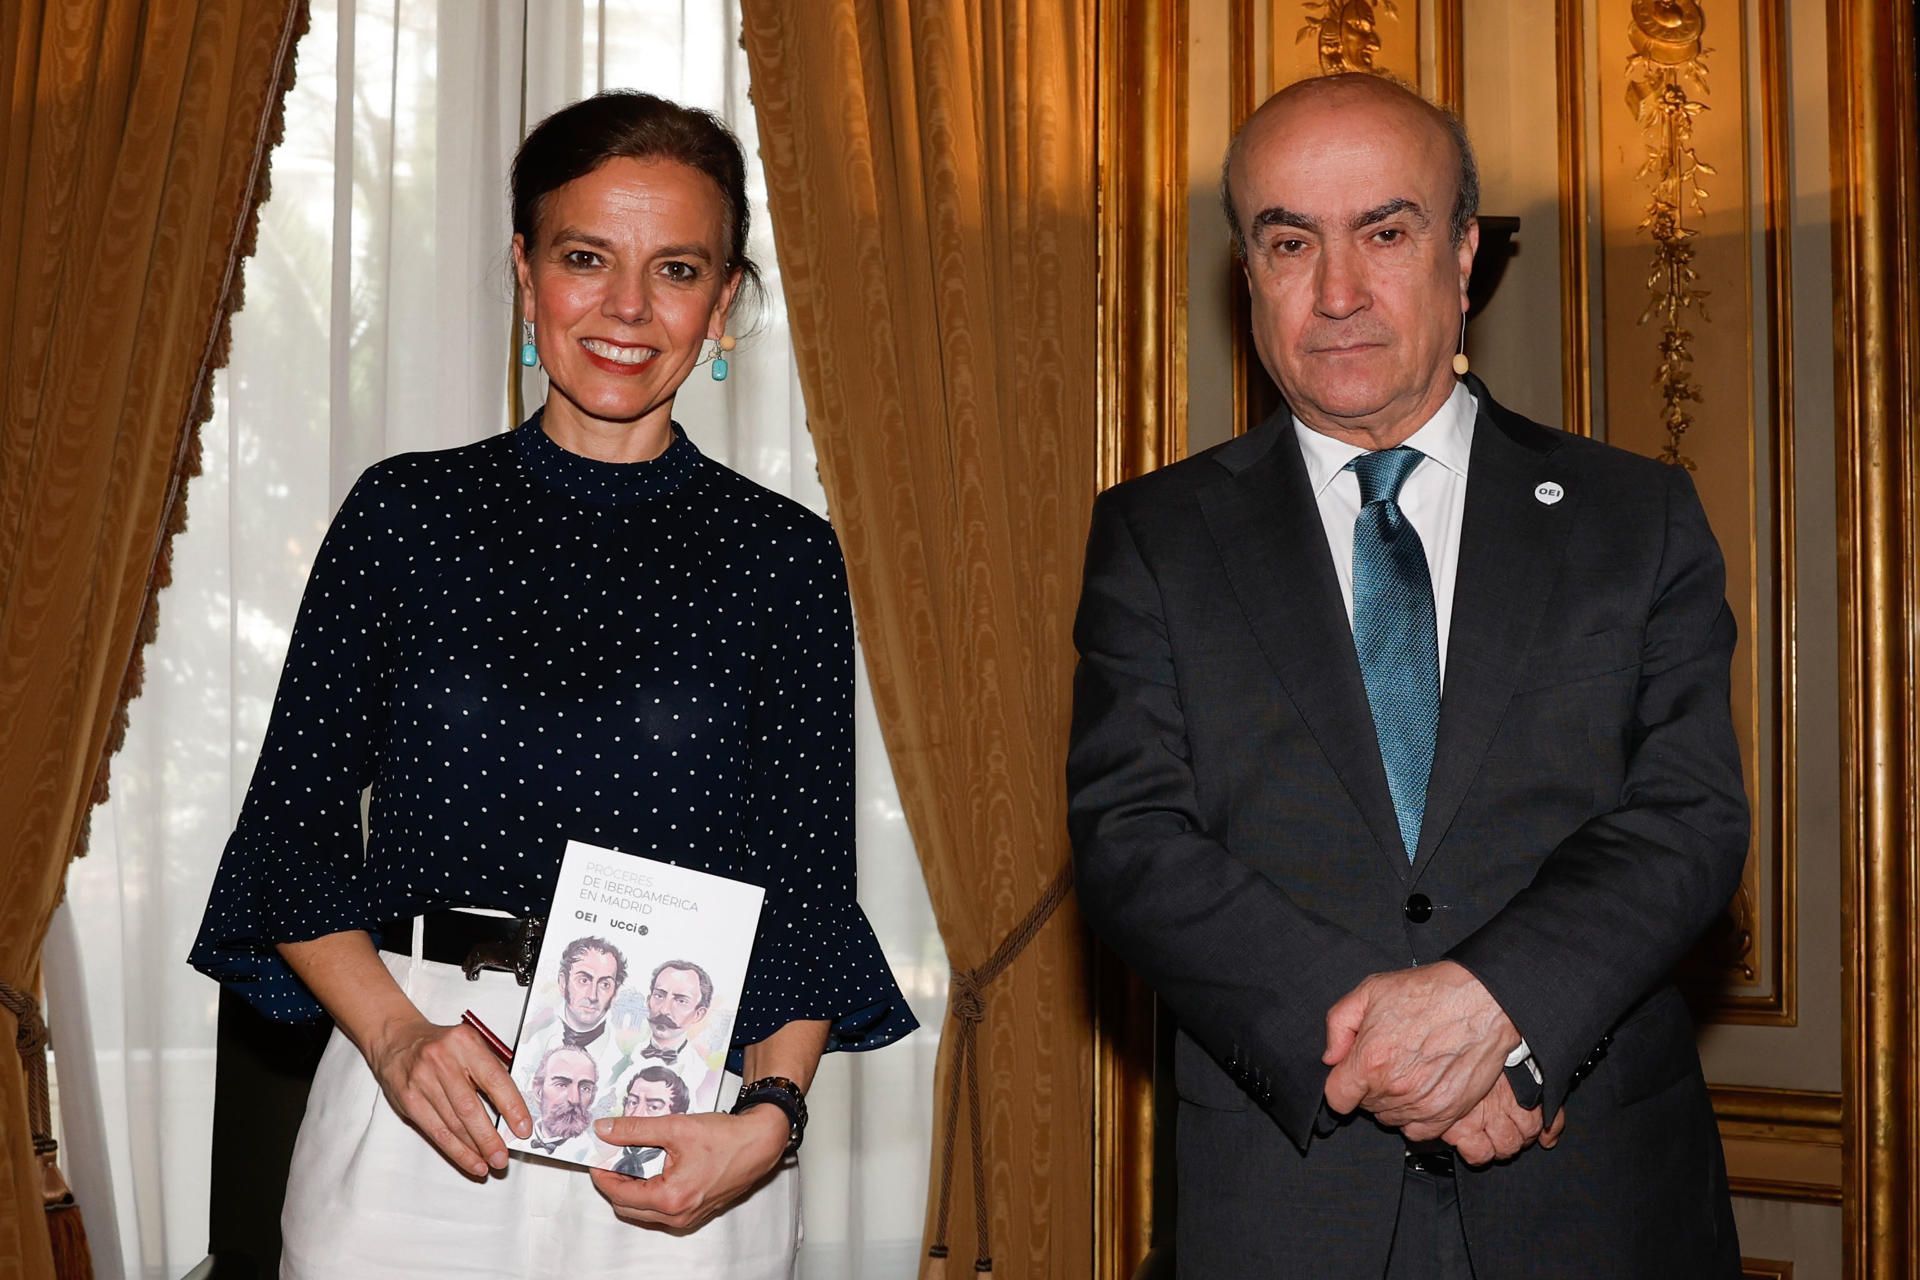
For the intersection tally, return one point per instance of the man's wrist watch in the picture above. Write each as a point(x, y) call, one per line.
point(783, 1093)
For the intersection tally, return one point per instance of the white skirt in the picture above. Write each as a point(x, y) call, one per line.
point(369, 1197)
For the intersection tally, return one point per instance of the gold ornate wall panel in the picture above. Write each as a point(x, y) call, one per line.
point(1683, 314)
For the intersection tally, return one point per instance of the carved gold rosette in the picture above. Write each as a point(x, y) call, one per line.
point(1667, 59)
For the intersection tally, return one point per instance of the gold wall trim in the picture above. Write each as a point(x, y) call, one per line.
point(1780, 1007)
point(1781, 1144)
point(1776, 101)
point(1143, 425)
point(1143, 236)
point(1576, 335)
point(1243, 44)
point(1449, 57)
point(1793, 1115)
point(1874, 139)
point(1123, 1129)
point(1774, 1189)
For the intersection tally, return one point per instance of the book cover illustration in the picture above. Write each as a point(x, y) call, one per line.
point(633, 1001)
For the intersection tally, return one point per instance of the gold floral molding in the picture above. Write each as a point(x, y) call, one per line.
point(1667, 57)
point(1346, 32)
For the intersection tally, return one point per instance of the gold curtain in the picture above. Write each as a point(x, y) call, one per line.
point(133, 160)
point(930, 167)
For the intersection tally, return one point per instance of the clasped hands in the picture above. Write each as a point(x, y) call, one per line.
point(1424, 1051)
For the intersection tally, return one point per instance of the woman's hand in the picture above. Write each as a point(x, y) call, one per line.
point(712, 1161)
point(433, 1077)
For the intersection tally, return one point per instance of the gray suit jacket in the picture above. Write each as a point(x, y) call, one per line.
point(1586, 820)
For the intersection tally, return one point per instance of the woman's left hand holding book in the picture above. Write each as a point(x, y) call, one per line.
point(712, 1159)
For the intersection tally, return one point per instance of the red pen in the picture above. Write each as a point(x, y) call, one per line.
point(494, 1042)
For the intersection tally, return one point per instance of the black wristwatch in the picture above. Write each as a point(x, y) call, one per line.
point(784, 1094)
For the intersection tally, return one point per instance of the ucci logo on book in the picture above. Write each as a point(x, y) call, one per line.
point(588, 917)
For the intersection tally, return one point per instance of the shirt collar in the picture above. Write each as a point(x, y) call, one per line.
point(1446, 437)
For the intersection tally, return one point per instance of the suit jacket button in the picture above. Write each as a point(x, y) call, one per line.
point(1419, 908)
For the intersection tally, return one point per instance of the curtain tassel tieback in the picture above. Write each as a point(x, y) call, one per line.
point(72, 1259)
point(967, 1006)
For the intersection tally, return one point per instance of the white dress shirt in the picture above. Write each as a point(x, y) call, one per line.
point(1433, 497)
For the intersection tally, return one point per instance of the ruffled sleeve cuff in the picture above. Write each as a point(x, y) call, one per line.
point(821, 962)
point(246, 917)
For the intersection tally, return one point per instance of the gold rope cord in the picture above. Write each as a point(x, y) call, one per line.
point(967, 1007)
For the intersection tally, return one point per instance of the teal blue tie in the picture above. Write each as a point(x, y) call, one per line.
point(1394, 633)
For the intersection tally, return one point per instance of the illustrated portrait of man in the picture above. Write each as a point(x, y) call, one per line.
point(564, 1084)
point(678, 999)
point(654, 1091)
point(1402, 766)
point(591, 973)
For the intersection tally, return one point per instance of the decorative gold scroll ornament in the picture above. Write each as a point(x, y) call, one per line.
point(1667, 57)
point(1346, 32)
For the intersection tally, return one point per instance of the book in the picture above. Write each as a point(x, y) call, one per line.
point(633, 1002)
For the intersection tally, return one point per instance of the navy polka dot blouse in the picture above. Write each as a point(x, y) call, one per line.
point(513, 646)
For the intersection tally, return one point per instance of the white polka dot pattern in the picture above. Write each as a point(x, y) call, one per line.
point(515, 646)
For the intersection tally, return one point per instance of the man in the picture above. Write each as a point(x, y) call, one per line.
point(1402, 766)
point(653, 1091)
point(592, 971)
point(677, 1002)
point(564, 1083)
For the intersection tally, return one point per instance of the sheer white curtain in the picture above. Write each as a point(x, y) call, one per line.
point(379, 319)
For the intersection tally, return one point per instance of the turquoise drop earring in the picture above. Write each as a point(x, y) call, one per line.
point(726, 342)
point(529, 356)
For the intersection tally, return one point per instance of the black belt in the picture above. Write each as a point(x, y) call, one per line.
point(471, 941)
point(1431, 1158)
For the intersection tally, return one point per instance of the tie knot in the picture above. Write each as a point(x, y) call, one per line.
point(1382, 473)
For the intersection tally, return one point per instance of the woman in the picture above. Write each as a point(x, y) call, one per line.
point(581, 629)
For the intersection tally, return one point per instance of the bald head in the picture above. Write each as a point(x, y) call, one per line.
point(1361, 95)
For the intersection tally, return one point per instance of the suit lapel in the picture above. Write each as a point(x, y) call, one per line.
point(1510, 553)
point(1267, 527)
